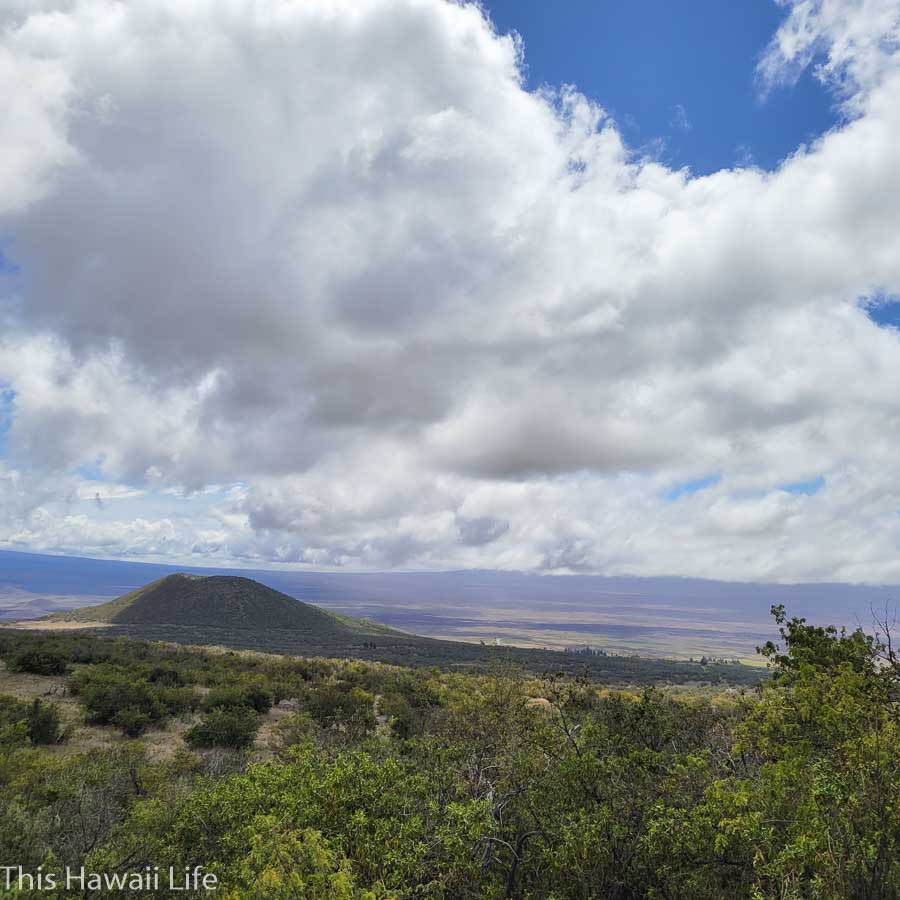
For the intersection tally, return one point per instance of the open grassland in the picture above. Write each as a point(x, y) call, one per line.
point(639, 630)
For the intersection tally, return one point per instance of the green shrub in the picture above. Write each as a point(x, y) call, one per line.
point(296, 730)
point(253, 694)
point(13, 727)
point(176, 700)
point(166, 676)
point(226, 697)
point(113, 696)
point(132, 720)
point(476, 792)
point(233, 727)
point(338, 705)
point(43, 724)
point(37, 722)
point(39, 661)
point(259, 695)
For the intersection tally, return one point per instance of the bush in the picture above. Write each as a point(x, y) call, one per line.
point(253, 694)
point(37, 722)
point(39, 661)
point(132, 720)
point(176, 700)
point(349, 709)
point(13, 727)
point(258, 696)
point(166, 676)
point(110, 696)
point(233, 727)
point(43, 724)
point(296, 730)
point(789, 791)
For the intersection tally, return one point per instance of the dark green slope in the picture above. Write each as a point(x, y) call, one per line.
point(218, 601)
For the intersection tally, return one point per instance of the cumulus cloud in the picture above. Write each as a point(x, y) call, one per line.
point(336, 255)
point(854, 41)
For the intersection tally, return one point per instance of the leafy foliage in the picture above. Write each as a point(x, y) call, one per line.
point(112, 694)
point(36, 722)
point(39, 661)
point(250, 692)
point(386, 782)
point(233, 727)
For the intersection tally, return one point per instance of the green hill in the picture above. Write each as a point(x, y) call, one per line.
point(229, 611)
point(219, 601)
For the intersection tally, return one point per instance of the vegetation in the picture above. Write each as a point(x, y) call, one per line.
point(248, 615)
point(370, 781)
point(128, 698)
point(34, 723)
point(233, 727)
point(227, 600)
point(40, 660)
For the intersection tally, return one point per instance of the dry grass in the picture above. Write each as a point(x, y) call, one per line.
point(267, 739)
point(29, 687)
point(26, 687)
point(163, 743)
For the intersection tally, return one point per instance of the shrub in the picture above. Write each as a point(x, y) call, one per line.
point(233, 727)
point(39, 661)
point(37, 722)
point(132, 720)
point(43, 724)
point(253, 694)
point(166, 676)
point(296, 730)
point(176, 700)
point(106, 692)
point(258, 695)
point(349, 709)
point(13, 727)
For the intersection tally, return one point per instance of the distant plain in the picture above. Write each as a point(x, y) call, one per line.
point(663, 617)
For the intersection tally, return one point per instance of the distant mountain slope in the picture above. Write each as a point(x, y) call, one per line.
point(218, 601)
point(240, 613)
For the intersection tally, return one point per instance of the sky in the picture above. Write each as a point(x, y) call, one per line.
point(411, 284)
point(678, 77)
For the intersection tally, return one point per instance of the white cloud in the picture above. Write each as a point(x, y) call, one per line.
point(336, 253)
point(854, 43)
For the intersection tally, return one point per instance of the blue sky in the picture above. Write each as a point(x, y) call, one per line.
point(810, 487)
point(692, 486)
point(680, 70)
point(883, 309)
